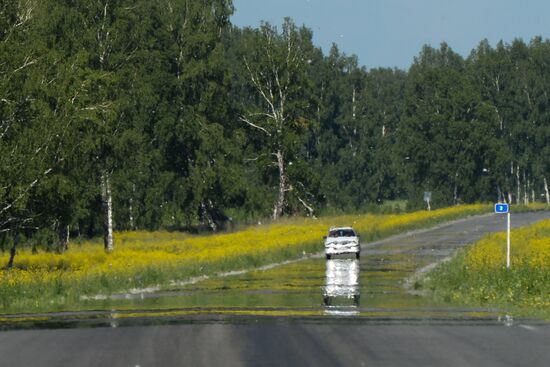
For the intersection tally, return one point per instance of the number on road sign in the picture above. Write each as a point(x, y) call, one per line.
point(501, 208)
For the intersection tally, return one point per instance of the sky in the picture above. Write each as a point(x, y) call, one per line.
point(390, 33)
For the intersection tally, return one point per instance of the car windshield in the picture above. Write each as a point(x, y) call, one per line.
point(342, 233)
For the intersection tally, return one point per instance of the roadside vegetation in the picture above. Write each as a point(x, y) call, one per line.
point(46, 281)
point(161, 114)
point(477, 275)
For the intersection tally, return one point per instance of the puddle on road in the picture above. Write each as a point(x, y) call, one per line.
point(344, 288)
point(371, 287)
point(315, 290)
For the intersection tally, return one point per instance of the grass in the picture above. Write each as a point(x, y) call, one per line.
point(477, 275)
point(50, 282)
point(522, 208)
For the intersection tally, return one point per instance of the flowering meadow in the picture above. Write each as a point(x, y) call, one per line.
point(478, 274)
point(48, 281)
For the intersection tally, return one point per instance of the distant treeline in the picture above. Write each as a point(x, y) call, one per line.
point(155, 114)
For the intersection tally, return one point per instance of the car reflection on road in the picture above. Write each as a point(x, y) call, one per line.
point(341, 291)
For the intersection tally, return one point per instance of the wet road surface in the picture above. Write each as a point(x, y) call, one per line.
point(311, 312)
point(374, 287)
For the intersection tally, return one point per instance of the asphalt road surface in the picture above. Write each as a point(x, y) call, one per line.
point(280, 344)
point(389, 326)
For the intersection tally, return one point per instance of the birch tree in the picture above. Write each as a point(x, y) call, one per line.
point(30, 131)
point(536, 130)
point(275, 67)
point(16, 180)
point(108, 48)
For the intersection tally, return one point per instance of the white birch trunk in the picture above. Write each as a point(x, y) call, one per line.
point(353, 104)
point(206, 217)
point(510, 185)
point(546, 191)
point(107, 204)
point(455, 192)
point(518, 184)
point(308, 207)
point(68, 237)
point(131, 213)
point(384, 124)
point(131, 208)
point(279, 204)
point(525, 190)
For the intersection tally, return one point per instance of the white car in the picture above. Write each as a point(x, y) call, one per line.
point(342, 240)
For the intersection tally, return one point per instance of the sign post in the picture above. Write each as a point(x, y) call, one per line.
point(508, 243)
point(505, 209)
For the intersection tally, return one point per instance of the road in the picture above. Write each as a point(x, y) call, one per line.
point(299, 314)
point(279, 344)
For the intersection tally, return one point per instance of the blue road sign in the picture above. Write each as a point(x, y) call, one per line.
point(502, 208)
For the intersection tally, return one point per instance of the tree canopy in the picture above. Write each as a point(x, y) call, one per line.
point(161, 114)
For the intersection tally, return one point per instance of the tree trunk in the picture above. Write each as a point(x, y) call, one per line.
point(131, 213)
point(525, 189)
point(531, 190)
point(279, 205)
point(131, 209)
point(207, 217)
point(455, 194)
point(500, 195)
point(13, 249)
point(3, 242)
point(63, 234)
point(518, 183)
point(384, 124)
point(546, 191)
point(353, 104)
point(107, 204)
point(309, 208)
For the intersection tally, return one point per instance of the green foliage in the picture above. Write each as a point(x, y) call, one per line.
point(156, 94)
